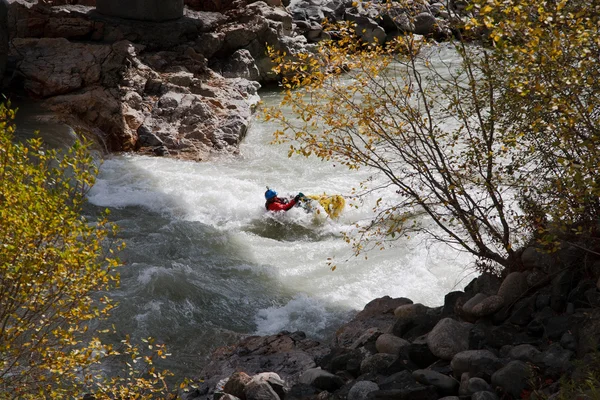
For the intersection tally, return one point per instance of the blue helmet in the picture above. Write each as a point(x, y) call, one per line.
point(269, 194)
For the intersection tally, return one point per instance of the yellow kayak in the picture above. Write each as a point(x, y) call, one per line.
point(332, 204)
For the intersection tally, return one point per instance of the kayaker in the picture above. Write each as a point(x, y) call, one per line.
point(275, 203)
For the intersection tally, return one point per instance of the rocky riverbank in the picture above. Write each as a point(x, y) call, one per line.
point(185, 87)
point(508, 338)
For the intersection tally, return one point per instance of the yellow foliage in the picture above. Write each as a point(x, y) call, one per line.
point(480, 147)
point(53, 265)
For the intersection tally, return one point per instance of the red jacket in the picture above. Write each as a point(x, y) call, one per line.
point(279, 204)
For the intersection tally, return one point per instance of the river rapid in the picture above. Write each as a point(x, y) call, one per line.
point(205, 263)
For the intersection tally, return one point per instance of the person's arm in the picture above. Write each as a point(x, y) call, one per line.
point(276, 206)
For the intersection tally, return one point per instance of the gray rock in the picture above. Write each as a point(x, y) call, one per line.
point(390, 344)
point(484, 395)
point(523, 352)
point(237, 384)
point(361, 389)
point(227, 396)
point(463, 389)
point(274, 380)
point(147, 10)
point(474, 361)
point(367, 29)
point(513, 378)
point(425, 24)
point(378, 313)
point(450, 398)
point(448, 338)
point(147, 138)
point(487, 306)
point(377, 363)
point(410, 310)
point(181, 78)
point(444, 383)
point(472, 302)
point(536, 258)
point(475, 385)
point(568, 341)
point(368, 338)
point(260, 390)
point(240, 64)
point(555, 360)
point(513, 287)
point(321, 379)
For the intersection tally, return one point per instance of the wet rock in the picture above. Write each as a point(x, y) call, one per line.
point(274, 380)
point(450, 302)
point(524, 352)
point(287, 354)
point(410, 310)
point(484, 395)
point(512, 378)
point(379, 313)
point(475, 362)
point(259, 390)
point(410, 393)
point(147, 138)
point(533, 257)
point(377, 363)
point(425, 24)
point(366, 28)
point(568, 341)
point(487, 306)
point(561, 286)
point(397, 380)
point(523, 311)
point(556, 326)
point(237, 384)
point(361, 389)
point(391, 344)
point(420, 354)
point(420, 324)
point(321, 379)
point(448, 338)
point(513, 287)
point(554, 361)
point(368, 340)
point(475, 385)
point(343, 359)
point(240, 64)
point(485, 283)
point(444, 383)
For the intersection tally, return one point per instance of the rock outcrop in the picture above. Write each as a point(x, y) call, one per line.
point(166, 80)
point(394, 349)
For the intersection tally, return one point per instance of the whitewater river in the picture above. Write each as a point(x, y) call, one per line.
point(205, 263)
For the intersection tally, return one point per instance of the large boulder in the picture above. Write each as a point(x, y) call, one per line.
point(448, 338)
point(289, 354)
point(146, 10)
point(379, 314)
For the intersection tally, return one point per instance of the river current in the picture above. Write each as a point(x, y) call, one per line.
point(205, 263)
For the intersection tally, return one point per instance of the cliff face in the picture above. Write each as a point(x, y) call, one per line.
point(184, 87)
